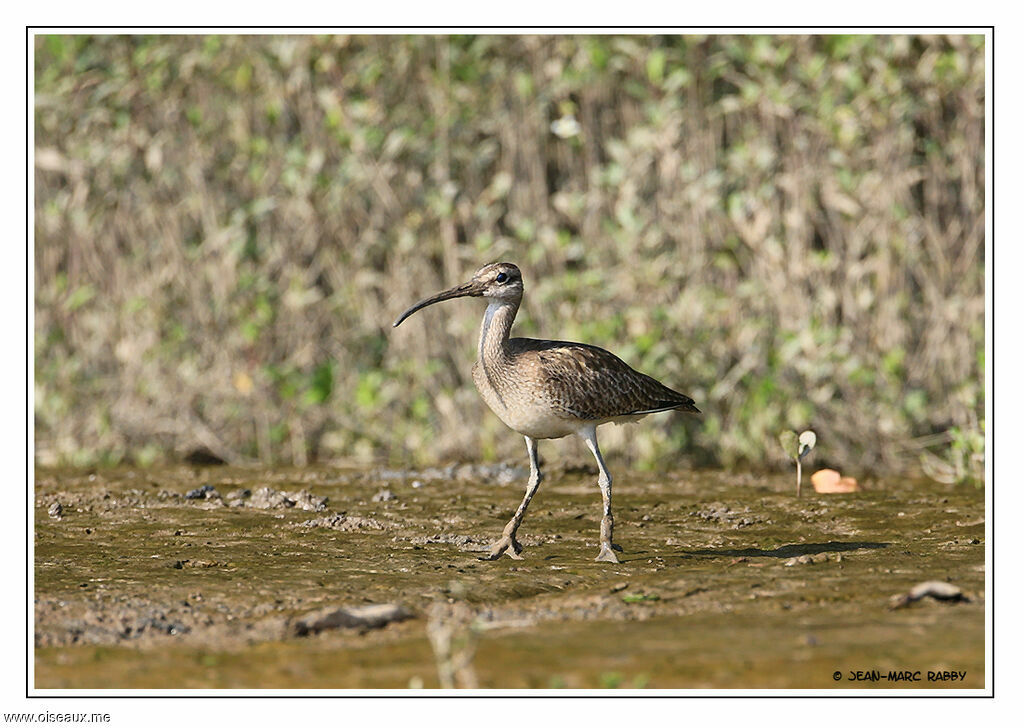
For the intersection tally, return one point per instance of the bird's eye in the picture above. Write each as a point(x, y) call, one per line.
point(501, 277)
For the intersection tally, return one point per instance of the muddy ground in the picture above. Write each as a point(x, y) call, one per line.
point(215, 577)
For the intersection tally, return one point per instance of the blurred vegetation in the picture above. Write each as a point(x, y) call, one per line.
point(789, 229)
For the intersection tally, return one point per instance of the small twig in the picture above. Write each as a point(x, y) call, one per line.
point(452, 635)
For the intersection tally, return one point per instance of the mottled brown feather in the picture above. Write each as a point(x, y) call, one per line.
point(589, 383)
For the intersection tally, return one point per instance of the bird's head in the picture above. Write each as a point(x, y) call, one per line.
point(497, 282)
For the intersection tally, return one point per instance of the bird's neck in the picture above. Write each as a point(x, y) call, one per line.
point(495, 328)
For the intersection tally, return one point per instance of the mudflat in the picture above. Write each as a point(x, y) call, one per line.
point(192, 577)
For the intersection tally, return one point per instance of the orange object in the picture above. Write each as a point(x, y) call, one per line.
point(829, 481)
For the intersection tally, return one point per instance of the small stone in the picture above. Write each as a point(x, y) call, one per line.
point(56, 510)
point(197, 493)
point(342, 522)
point(619, 587)
point(804, 559)
point(270, 498)
point(384, 495)
point(309, 502)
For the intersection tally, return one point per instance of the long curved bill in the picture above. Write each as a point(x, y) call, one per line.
point(465, 289)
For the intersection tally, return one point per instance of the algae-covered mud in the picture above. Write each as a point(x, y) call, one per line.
point(231, 578)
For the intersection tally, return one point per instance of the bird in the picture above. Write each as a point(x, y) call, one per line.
point(547, 389)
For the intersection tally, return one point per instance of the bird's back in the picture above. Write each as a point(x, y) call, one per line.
point(588, 383)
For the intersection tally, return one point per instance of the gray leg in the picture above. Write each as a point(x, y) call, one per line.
point(604, 479)
point(508, 541)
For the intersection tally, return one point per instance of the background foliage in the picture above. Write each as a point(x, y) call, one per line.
point(789, 229)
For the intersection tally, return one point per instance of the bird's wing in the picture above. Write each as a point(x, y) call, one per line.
point(590, 383)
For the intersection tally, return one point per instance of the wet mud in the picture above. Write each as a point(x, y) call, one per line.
point(216, 577)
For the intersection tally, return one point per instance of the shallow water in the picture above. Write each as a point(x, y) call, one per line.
point(726, 581)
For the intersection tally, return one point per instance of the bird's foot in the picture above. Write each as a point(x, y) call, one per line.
point(607, 554)
point(506, 543)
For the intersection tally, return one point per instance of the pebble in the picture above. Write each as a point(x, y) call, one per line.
point(202, 492)
point(56, 510)
point(384, 495)
point(342, 522)
point(804, 559)
point(270, 498)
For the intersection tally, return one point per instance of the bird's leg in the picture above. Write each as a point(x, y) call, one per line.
point(508, 541)
point(604, 480)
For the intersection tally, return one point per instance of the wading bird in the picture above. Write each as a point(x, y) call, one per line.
point(549, 389)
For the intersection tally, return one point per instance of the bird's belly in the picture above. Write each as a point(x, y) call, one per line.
point(539, 425)
point(521, 410)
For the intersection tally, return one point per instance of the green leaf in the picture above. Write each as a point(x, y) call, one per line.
point(790, 443)
point(81, 296)
point(611, 680)
point(368, 389)
point(656, 66)
point(321, 383)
